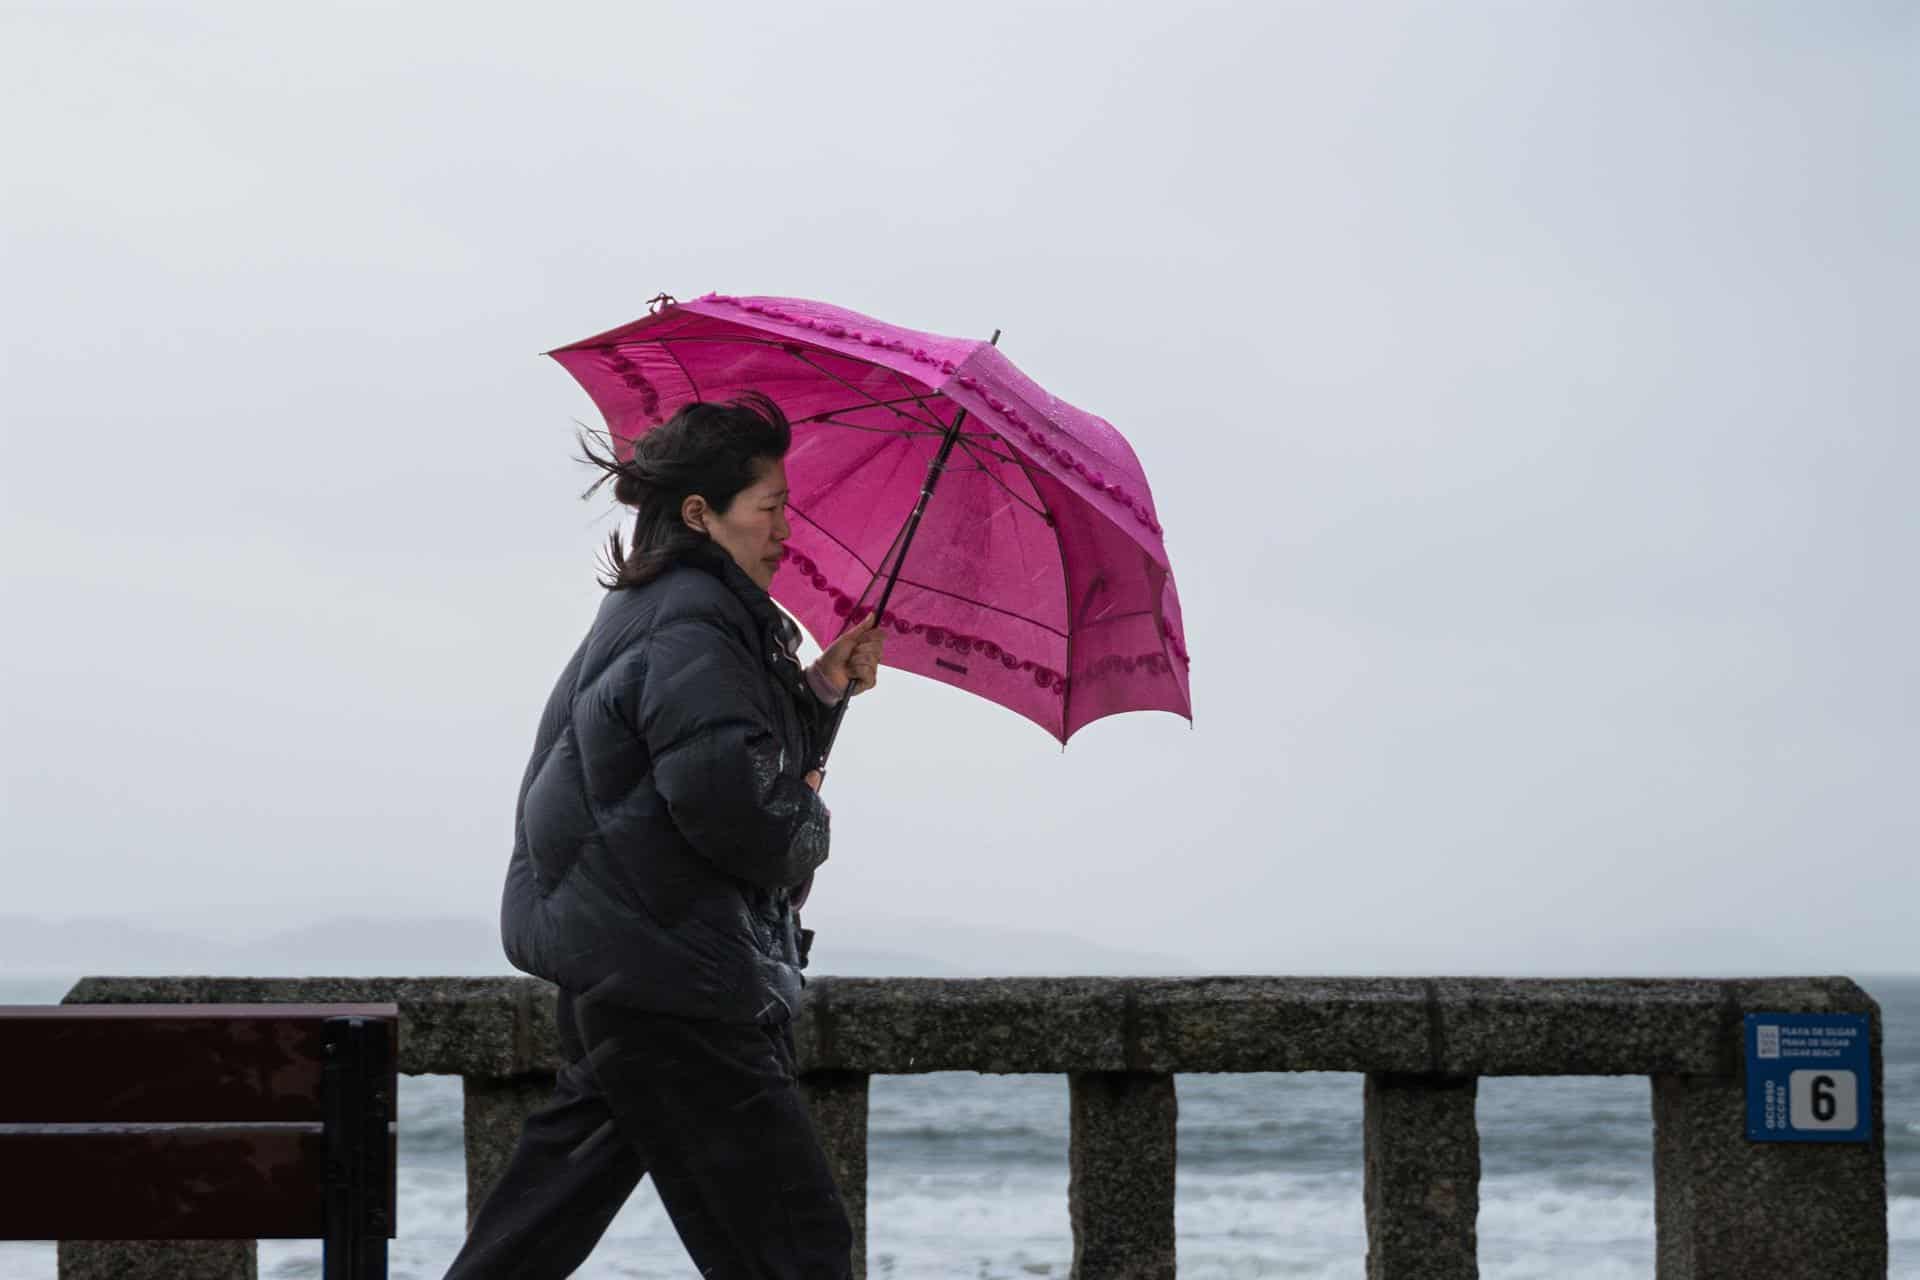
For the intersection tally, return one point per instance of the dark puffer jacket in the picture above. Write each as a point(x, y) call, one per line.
point(664, 817)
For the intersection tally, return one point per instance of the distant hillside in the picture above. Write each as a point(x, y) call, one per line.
point(404, 947)
point(959, 949)
point(34, 946)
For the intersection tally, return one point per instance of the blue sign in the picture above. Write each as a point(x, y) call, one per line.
point(1809, 1078)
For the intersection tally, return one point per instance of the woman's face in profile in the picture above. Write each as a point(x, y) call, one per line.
point(755, 524)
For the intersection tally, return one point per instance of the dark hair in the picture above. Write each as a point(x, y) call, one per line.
point(714, 450)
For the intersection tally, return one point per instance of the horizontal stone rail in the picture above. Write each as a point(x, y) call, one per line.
point(1725, 1208)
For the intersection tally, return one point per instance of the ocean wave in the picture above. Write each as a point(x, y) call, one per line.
point(944, 1133)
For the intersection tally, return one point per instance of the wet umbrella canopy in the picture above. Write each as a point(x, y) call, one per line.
point(1037, 575)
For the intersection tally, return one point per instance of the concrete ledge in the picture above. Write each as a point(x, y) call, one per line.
point(1618, 1026)
point(1279, 1024)
point(503, 1027)
point(1441, 1026)
point(911, 1025)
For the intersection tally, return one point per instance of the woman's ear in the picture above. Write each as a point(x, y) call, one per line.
point(693, 512)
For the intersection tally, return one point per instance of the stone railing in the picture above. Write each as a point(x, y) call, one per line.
point(1724, 1207)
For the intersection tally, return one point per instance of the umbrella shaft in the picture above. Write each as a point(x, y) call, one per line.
point(934, 469)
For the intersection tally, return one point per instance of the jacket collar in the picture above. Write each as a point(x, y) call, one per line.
point(711, 557)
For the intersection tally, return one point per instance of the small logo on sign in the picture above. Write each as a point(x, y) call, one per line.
point(1769, 1042)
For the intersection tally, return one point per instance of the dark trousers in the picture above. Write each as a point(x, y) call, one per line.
point(713, 1111)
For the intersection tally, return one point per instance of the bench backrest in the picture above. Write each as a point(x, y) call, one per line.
point(171, 1121)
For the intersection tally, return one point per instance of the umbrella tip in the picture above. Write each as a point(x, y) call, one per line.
point(994, 341)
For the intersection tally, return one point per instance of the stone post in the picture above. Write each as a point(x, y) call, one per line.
point(159, 1260)
point(494, 1110)
point(1120, 1174)
point(837, 1101)
point(1729, 1209)
point(1422, 1177)
point(1725, 1207)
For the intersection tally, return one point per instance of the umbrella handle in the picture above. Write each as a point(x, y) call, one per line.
point(833, 731)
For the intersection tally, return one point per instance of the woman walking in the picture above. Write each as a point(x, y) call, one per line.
point(668, 827)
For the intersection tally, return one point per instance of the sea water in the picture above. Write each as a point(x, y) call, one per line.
point(967, 1176)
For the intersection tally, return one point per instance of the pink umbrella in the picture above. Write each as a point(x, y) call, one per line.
point(1036, 578)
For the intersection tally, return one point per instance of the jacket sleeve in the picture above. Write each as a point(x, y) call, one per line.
point(815, 705)
point(718, 763)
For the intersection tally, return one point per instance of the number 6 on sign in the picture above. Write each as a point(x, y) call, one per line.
point(1823, 1100)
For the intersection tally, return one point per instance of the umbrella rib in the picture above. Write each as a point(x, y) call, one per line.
point(991, 453)
point(932, 424)
point(835, 540)
point(909, 582)
point(873, 400)
point(873, 577)
point(907, 387)
point(954, 595)
point(1066, 596)
point(684, 371)
point(694, 337)
point(1116, 617)
point(821, 420)
point(869, 401)
point(994, 476)
point(982, 604)
point(873, 574)
point(863, 461)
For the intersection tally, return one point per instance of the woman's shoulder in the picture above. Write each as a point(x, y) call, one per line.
point(681, 593)
point(631, 616)
point(685, 590)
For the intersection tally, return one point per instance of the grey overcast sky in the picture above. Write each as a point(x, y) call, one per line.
point(1529, 391)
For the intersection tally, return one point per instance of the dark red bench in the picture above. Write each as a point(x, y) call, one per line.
point(202, 1122)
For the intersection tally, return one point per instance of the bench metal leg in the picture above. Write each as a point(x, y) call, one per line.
point(357, 1095)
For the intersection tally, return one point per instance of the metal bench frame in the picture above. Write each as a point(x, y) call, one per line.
point(203, 1121)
